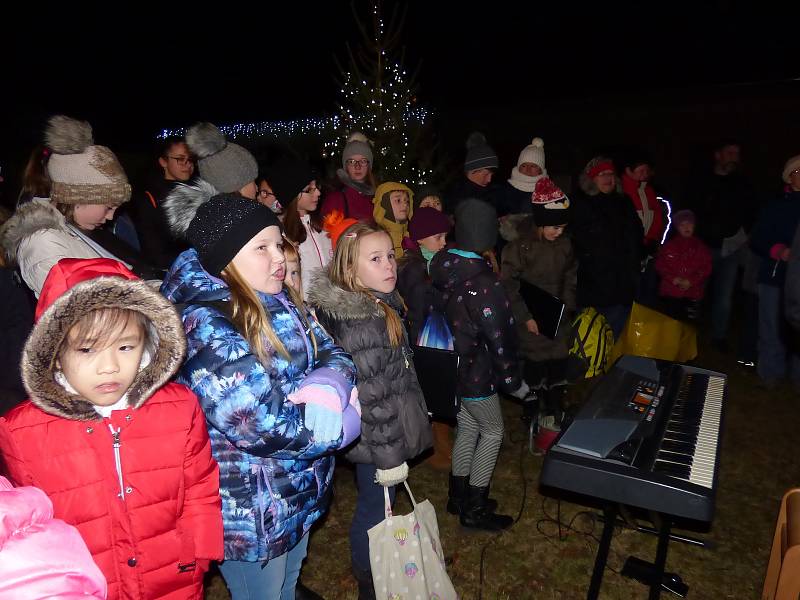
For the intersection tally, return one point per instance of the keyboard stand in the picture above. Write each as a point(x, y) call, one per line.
point(651, 574)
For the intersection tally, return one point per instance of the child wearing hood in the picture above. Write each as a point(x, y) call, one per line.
point(123, 454)
point(392, 209)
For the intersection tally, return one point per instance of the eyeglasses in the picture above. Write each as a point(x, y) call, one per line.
point(265, 193)
point(181, 160)
point(352, 162)
point(311, 190)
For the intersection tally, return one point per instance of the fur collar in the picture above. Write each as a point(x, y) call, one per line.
point(39, 356)
point(33, 216)
point(343, 305)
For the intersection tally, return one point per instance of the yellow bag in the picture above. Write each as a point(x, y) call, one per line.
point(655, 335)
point(592, 343)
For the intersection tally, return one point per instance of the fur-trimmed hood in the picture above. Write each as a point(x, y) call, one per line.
point(74, 288)
point(343, 305)
point(33, 216)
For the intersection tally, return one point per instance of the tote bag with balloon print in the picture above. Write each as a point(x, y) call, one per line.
point(406, 556)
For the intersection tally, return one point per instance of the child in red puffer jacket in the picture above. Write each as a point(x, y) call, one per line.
point(684, 265)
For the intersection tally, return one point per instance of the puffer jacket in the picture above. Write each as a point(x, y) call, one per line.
point(397, 231)
point(42, 557)
point(479, 314)
point(145, 498)
point(550, 266)
point(274, 477)
point(394, 419)
point(416, 288)
point(687, 258)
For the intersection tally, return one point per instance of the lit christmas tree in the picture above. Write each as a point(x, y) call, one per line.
point(378, 98)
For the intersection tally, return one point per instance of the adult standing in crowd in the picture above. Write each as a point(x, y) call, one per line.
point(175, 165)
point(517, 191)
point(636, 176)
point(724, 203)
point(353, 198)
point(480, 165)
point(607, 236)
point(771, 239)
point(87, 186)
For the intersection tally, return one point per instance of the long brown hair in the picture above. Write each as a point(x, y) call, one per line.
point(343, 273)
point(35, 180)
point(293, 226)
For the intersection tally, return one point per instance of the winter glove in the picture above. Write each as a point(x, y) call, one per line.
point(390, 477)
point(323, 411)
point(521, 391)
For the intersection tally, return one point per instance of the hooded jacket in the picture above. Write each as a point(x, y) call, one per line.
point(550, 266)
point(145, 498)
point(687, 258)
point(394, 418)
point(397, 231)
point(480, 317)
point(274, 477)
point(42, 557)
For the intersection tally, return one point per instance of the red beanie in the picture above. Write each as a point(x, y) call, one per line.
point(599, 168)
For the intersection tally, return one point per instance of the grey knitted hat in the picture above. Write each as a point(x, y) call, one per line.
point(479, 154)
point(357, 143)
point(227, 166)
point(476, 225)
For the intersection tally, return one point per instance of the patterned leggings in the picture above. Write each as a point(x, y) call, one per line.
point(478, 440)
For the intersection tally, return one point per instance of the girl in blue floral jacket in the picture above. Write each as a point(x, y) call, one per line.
point(278, 395)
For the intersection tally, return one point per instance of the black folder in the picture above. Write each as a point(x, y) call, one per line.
point(547, 310)
point(437, 372)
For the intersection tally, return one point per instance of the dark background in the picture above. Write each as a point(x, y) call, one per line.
point(673, 77)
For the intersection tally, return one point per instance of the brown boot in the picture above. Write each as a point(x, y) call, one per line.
point(442, 447)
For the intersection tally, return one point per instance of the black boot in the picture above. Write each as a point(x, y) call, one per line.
point(301, 592)
point(366, 588)
point(458, 490)
point(475, 515)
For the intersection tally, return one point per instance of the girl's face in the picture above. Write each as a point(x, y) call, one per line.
point(400, 205)
point(686, 229)
point(434, 243)
point(308, 199)
point(265, 195)
point(376, 269)
point(100, 374)
point(293, 276)
point(431, 202)
point(177, 164)
point(552, 232)
point(606, 181)
point(357, 167)
point(92, 216)
point(261, 262)
point(530, 169)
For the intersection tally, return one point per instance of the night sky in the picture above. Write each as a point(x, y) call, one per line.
point(131, 72)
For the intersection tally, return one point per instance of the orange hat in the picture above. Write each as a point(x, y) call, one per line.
point(335, 224)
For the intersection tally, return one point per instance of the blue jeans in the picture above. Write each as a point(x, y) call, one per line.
point(723, 283)
point(617, 316)
point(274, 581)
point(772, 350)
point(368, 513)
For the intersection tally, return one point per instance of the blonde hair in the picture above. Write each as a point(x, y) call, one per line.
point(251, 317)
point(343, 272)
point(292, 255)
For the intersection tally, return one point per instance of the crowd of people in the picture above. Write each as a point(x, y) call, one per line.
point(184, 361)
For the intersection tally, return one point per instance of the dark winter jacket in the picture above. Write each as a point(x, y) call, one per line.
point(722, 204)
point(274, 477)
point(512, 201)
point(479, 314)
point(792, 284)
point(687, 258)
point(607, 237)
point(550, 266)
point(159, 246)
point(464, 189)
point(416, 288)
point(394, 419)
point(16, 320)
point(772, 234)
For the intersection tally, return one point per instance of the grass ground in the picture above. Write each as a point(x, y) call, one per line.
point(759, 463)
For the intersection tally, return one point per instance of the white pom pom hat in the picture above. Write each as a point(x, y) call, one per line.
point(533, 154)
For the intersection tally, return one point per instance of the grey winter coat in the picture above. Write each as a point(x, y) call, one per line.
point(552, 267)
point(394, 419)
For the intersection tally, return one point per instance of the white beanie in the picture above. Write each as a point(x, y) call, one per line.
point(533, 154)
